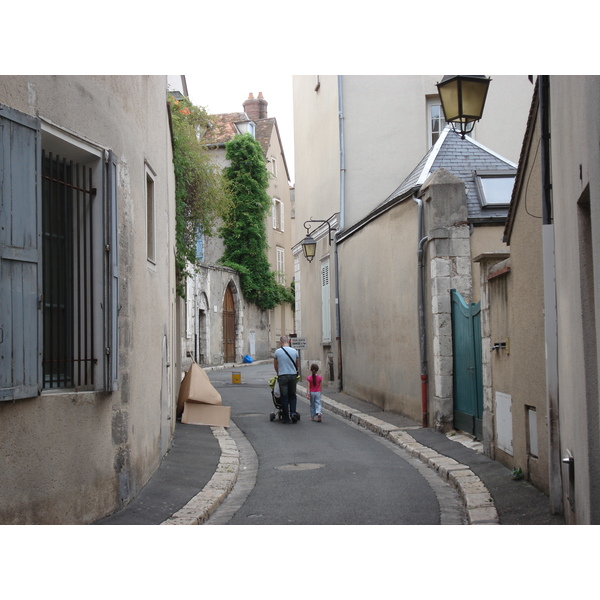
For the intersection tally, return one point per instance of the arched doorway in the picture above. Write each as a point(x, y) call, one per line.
point(228, 326)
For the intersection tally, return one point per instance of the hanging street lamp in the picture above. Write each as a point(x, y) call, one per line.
point(309, 245)
point(463, 98)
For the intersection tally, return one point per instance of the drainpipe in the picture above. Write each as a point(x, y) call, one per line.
point(421, 298)
point(340, 228)
point(342, 156)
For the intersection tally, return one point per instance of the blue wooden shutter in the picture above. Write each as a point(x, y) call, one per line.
point(325, 302)
point(20, 256)
point(112, 279)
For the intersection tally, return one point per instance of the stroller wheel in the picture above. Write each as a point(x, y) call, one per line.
point(272, 416)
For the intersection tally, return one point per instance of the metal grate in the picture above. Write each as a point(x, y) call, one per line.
point(68, 242)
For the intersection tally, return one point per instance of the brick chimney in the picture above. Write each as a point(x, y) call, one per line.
point(256, 108)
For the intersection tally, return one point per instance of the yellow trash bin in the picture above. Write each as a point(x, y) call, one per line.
point(236, 377)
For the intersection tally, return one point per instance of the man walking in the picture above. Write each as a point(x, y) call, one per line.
point(287, 362)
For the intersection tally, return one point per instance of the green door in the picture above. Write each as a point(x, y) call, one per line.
point(468, 382)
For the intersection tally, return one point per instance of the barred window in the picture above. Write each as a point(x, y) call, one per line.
point(68, 270)
point(59, 260)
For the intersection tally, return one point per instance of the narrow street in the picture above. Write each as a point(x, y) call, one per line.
point(332, 472)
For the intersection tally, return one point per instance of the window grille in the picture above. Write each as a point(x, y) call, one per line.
point(67, 226)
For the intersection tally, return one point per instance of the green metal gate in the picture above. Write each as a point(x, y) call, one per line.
point(468, 381)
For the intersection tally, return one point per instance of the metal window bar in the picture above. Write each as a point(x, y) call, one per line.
point(67, 196)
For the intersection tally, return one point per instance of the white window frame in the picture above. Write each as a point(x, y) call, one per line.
point(434, 102)
point(280, 265)
point(278, 214)
point(480, 180)
point(247, 127)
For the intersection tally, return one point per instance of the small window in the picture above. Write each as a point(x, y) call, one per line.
point(277, 214)
point(281, 265)
point(435, 119)
point(274, 166)
point(150, 221)
point(247, 127)
point(495, 189)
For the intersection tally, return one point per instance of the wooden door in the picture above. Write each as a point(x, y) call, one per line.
point(228, 327)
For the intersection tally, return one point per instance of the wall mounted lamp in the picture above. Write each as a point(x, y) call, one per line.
point(309, 245)
point(463, 98)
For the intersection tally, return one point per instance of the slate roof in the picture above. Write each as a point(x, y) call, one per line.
point(462, 157)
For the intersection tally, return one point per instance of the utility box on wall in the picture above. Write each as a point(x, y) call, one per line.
point(504, 433)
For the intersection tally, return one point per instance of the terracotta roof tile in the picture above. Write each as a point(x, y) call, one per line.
point(224, 128)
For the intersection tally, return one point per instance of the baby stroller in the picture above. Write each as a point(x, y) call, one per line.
point(275, 395)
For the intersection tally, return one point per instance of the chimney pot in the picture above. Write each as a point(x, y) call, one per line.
point(256, 108)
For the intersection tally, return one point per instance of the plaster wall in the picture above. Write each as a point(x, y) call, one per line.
point(575, 130)
point(378, 276)
point(316, 148)
point(73, 457)
point(517, 315)
point(484, 238)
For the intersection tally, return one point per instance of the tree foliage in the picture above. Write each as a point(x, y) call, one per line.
point(244, 230)
point(200, 188)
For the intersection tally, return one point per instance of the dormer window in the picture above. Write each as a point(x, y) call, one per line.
point(247, 127)
point(495, 187)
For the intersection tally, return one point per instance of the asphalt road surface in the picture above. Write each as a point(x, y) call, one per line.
point(328, 473)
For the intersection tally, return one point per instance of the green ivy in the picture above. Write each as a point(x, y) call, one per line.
point(244, 230)
point(201, 194)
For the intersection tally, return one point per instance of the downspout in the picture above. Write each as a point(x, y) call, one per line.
point(342, 156)
point(339, 229)
point(422, 240)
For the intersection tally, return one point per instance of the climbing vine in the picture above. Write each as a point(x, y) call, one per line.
point(201, 194)
point(244, 230)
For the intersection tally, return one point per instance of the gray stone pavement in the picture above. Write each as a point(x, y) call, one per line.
point(202, 468)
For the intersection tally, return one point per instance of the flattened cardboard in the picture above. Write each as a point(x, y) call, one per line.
point(196, 386)
point(197, 413)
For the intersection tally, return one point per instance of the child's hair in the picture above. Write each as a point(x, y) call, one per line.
point(314, 368)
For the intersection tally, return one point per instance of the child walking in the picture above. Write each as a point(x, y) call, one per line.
point(313, 393)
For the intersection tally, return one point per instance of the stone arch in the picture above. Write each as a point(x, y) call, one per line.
point(230, 322)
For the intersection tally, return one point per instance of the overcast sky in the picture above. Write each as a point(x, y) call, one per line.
point(228, 50)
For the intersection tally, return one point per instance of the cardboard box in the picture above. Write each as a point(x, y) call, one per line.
point(197, 413)
point(197, 386)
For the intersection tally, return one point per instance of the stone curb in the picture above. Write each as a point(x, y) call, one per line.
point(204, 504)
point(476, 499)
